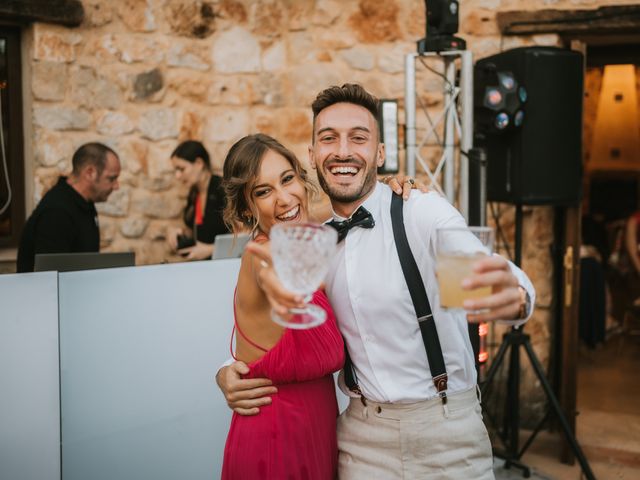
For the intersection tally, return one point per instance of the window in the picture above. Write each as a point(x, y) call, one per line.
point(12, 207)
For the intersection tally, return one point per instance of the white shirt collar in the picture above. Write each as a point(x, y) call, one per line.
point(369, 203)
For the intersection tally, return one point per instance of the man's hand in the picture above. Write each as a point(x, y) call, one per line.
point(244, 396)
point(505, 299)
point(403, 184)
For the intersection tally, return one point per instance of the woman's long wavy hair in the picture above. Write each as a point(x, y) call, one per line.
point(241, 170)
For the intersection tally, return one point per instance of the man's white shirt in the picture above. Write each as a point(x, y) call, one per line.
point(368, 292)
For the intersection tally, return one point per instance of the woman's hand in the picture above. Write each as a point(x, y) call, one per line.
point(281, 299)
point(200, 251)
point(172, 237)
point(403, 184)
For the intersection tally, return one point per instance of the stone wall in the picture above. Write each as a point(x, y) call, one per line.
point(142, 75)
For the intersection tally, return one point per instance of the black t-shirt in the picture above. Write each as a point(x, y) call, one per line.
point(63, 222)
point(212, 222)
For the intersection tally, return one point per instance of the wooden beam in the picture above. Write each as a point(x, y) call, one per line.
point(612, 19)
point(69, 13)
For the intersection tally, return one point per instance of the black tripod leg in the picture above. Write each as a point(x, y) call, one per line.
point(494, 366)
point(560, 415)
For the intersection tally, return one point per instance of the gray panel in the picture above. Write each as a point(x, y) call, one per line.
point(29, 395)
point(139, 348)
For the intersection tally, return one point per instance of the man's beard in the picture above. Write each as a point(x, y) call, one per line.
point(341, 195)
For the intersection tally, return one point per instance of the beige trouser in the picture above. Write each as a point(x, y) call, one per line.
point(415, 441)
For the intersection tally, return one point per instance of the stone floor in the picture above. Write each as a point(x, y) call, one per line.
point(608, 424)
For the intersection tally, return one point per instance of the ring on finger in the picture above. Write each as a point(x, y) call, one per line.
point(263, 264)
point(410, 181)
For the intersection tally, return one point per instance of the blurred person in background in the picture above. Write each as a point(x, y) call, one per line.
point(66, 220)
point(205, 202)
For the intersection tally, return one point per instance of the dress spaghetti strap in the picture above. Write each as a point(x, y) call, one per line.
point(236, 327)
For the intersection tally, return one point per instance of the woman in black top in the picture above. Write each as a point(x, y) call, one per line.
point(203, 213)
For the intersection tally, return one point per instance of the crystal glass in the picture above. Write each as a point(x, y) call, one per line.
point(457, 249)
point(301, 253)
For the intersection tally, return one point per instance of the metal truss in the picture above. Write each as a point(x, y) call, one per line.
point(456, 119)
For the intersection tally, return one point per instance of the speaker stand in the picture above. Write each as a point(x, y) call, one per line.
point(514, 340)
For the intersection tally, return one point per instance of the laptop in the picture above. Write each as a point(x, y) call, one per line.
point(70, 262)
point(228, 245)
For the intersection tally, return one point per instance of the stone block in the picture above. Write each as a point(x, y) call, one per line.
point(114, 124)
point(159, 123)
point(185, 56)
point(52, 148)
point(133, 155)
point(271, 90)
point(55, 44)
point(376, 21)
point(49, 81)
point(138, 48)
point(274, 57)
point(334, 39)
point(92, 90)
point(108, 232)
point(190, 126)
point(190, 18)
point(160, 183)
point(231, 12)
point(61, 118)
point(159, 160)
point(391, 60)
point(97, 13)
point(147, 83)
point(236, 51)
point(226, 125)
point(191, 85)
point(134, 227)
point(137, 15)
point(268, 18)
point(304, 82)
point(300, 14)
point(327, 12)
point(158, 205)
point(117, 205)
point(267, 121)
point(479, 22)
point(237, 90)
point(301, 48)
point(297, 125)
point(358, 58)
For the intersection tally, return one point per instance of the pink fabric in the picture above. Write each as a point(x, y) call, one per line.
point(294, 438)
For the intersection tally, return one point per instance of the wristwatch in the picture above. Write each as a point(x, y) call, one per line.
point(525, 303)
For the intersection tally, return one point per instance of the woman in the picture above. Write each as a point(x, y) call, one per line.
point(295, 436)
point(203, 213)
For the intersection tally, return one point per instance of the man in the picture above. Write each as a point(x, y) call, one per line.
point(66, 220)
point(396, 426)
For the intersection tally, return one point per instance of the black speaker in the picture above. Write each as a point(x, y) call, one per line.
point(538, 159)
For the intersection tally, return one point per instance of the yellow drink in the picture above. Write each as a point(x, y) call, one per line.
point(451, 270)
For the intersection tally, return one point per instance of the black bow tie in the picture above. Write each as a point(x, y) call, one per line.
point(362, 218)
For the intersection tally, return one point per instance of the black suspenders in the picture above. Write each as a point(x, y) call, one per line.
point(420, 303)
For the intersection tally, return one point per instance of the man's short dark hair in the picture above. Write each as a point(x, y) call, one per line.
point(347, 93)
point(93, 153)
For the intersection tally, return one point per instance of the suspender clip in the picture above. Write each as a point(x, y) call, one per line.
point(440, 382)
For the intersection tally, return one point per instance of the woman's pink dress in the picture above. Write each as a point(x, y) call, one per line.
point(294, 438)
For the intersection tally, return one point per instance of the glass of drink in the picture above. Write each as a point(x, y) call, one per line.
point(457, 249)
point(301, 253)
